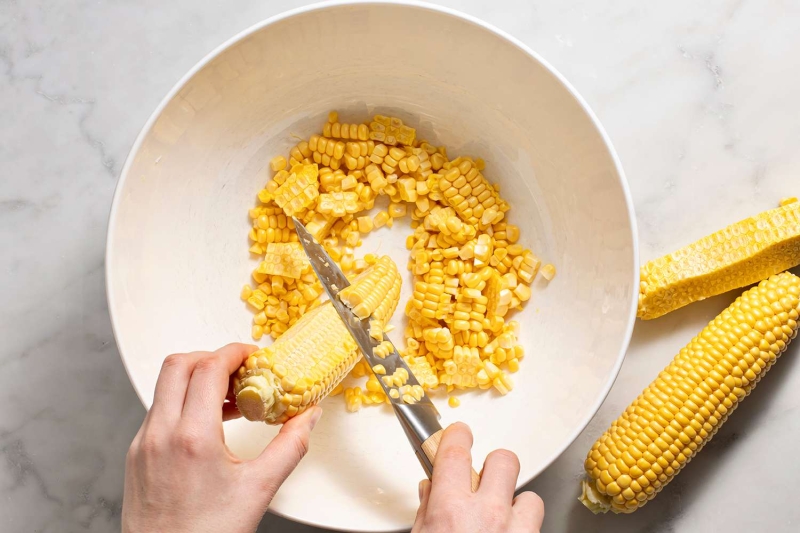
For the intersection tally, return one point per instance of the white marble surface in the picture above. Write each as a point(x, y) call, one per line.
point(699, 98)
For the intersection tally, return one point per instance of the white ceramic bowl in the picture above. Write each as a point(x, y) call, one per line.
point(177, 242)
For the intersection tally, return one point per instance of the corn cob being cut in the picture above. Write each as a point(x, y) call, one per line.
point(660, 432)
point(741, 254)
point(313, 356)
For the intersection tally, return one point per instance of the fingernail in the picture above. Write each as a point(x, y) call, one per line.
point(421, 489)
point(315, 416)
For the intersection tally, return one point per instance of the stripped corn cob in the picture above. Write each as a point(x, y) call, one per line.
point(692, 397)
point(743, 253)
point(309, 360)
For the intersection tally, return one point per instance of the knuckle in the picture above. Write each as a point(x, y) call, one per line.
point(446, 516)
point(208, 364)
point(496, 516)
point(530, 500)
point(188, 442)
point(131, 456)
point(150, 445)
point(173, 360)
point(300, 444)
point(506, 457)
point(457, 454)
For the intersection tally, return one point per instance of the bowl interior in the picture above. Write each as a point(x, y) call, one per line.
point(178, 256)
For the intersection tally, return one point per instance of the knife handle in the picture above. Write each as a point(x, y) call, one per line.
point(431, 446)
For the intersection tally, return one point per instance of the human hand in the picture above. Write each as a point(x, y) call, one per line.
point(448, 505)
point(180, 476)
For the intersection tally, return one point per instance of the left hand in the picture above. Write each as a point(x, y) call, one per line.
point(179, 474)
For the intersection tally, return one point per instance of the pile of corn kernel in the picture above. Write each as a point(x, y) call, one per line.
point(469, 271)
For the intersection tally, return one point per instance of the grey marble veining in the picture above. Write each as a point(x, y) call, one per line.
point(699, 98)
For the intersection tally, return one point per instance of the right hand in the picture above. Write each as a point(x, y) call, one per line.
point(448, 505)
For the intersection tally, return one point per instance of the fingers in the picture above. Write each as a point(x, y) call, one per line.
point(452, 466)
point(528, 509)
point(499, 478)
point(424, 495)
point(208, 385)
point(281, 456)
point(173, 381)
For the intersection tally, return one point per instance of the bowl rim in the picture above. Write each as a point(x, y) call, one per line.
point(525, 477)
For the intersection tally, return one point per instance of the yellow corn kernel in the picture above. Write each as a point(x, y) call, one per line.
point(379, 370)
point(527, 266)
point(453, 402)
point(548, 272)
point(247, 292)
point(682, 409)
point(381, 219)
point(397, 210)
point(789, 200)
point(523, 292)
point(353, 399)
point(383, 349)
point(277, 163)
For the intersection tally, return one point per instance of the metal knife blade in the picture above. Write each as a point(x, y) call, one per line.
point(419, 420)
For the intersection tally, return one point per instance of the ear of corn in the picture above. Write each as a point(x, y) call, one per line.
point(665, 427)
point(313, 356)
point(743, 253)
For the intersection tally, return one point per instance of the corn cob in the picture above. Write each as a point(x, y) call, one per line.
point(743, 253)
point(683, 408)
point(312, 357)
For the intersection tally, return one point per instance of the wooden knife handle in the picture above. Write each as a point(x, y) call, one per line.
point(431, 446)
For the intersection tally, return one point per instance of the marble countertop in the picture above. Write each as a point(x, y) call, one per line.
point(699, 98)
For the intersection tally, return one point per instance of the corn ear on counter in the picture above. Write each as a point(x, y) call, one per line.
point(469, 271)
point(671, 421)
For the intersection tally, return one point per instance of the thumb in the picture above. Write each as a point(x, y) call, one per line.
point(424, 496)
point(282, 455)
